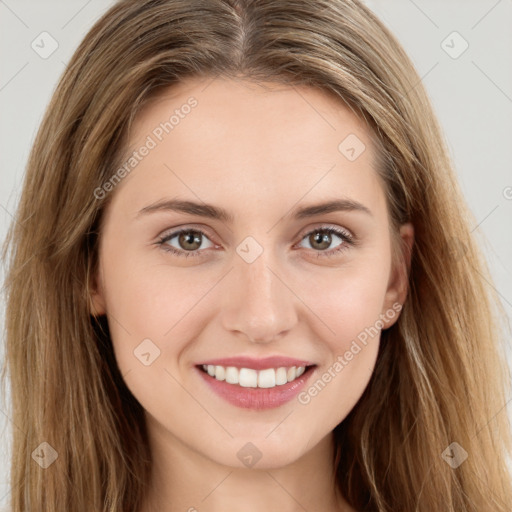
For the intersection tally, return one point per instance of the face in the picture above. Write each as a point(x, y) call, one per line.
point(274, 283)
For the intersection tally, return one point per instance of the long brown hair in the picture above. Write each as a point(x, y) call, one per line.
point(440, 375)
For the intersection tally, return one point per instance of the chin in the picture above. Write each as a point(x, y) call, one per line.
point(259, 453)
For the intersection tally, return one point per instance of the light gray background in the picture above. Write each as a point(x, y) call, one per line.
point(472, 96)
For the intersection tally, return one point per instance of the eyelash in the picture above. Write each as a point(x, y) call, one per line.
point(348, 241)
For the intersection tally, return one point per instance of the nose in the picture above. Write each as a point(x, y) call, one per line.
point(259, 303)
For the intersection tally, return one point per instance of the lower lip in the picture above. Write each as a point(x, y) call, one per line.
point(257, 398)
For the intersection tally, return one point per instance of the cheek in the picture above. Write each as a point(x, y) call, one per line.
point(138, 303)
point(151, 317)
point(348, 303)
point(348, 299)
point(156, 302)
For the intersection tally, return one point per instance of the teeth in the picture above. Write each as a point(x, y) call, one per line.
point(247, 378)
point(281, 377)
point(220, 373)
point(231, 375)
point(266, 378)
point(250, 378)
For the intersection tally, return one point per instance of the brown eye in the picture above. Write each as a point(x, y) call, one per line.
point(320, 240)
point(189, 240)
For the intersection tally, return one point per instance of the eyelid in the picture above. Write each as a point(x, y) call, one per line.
point(187, 227)
point(326, 226)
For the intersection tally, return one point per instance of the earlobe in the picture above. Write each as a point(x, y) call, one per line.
point(399, 279)
point(96, 305)
point(96, 298)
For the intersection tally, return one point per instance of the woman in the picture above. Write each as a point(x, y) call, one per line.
point(244, 370)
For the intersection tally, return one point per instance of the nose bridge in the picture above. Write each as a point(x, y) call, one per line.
point(260, 305)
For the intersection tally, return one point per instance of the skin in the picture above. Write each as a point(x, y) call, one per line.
point(268, 149)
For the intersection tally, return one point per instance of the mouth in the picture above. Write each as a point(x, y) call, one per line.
point(251, 378)
point(250, 388)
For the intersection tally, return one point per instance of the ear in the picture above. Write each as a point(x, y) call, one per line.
point(399, 277)
point(97, 305)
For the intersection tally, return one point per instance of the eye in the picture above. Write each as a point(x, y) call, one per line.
point(321, 238)
point(189, 241)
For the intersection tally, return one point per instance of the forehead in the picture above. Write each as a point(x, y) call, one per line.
point(246, 109)
point(252, 139)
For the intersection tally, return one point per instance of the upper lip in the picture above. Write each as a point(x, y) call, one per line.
point(257, 364)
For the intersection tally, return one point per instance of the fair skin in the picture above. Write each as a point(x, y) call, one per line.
point(260, 153)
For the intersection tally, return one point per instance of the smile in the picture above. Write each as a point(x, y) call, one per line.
point(248, 388)
point(250, 378)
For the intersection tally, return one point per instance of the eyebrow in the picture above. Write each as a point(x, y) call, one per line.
point(218, 213)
